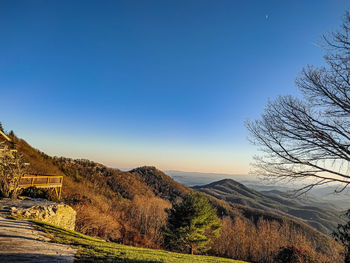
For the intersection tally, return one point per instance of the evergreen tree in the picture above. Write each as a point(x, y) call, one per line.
point(191, 225)
point(1, 127)
point(342, 234)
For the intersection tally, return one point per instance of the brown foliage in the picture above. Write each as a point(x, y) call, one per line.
point(94, 222)
point(134, 222)
point(148, 216)
point(40, 163)
point(160, 184)
point(293, 254)
point(240, 239)
point(105, 181)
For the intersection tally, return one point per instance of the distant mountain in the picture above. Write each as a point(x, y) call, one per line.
point(324, 197)
point(329, 194)
point(197, 178)
point(323, 218)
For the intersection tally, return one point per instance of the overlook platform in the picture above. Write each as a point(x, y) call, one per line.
point(42, 181)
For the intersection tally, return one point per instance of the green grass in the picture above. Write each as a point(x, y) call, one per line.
point(96, 250)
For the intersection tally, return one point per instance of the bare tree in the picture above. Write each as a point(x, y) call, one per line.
point(12, 168)
point(309, 137)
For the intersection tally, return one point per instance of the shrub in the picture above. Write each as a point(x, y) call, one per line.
point(35, 192)
point(293, 254)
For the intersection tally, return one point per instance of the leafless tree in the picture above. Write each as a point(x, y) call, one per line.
point(12, 168)
point(309, 137)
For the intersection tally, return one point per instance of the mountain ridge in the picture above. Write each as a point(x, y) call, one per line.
point(325, 220)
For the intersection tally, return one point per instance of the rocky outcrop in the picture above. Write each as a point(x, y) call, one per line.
point(57, 214)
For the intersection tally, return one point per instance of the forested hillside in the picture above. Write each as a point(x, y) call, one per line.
point(130, 208)
point(325, 220)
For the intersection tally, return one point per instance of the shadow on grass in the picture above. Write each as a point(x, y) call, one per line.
point(93, 250)
point(111, 259)
point(31, 258)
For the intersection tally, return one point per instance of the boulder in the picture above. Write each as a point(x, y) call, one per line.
point(57, 214)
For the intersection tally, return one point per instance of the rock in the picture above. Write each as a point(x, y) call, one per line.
point(57, 214)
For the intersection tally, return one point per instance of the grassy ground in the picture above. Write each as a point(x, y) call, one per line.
point(95, 250)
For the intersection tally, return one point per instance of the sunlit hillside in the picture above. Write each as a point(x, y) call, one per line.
point(114, 205)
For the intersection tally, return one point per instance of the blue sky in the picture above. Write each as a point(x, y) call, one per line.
point(164, 83)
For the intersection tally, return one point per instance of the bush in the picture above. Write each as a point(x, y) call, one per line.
point(35, 192)
point(293, 254)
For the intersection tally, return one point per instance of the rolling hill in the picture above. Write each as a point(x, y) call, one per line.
point(325, 220)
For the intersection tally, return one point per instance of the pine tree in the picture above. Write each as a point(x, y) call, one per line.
point(1, 127)
point(342, 234)
point(191, 225)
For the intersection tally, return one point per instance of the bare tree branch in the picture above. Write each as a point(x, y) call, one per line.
point(309, 138)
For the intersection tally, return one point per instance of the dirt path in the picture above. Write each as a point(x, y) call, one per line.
point(20, 242)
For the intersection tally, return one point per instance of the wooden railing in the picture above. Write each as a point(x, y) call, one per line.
point(8, 152)
point(42, 181)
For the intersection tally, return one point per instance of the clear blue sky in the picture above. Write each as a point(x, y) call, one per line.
point(164, 83)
